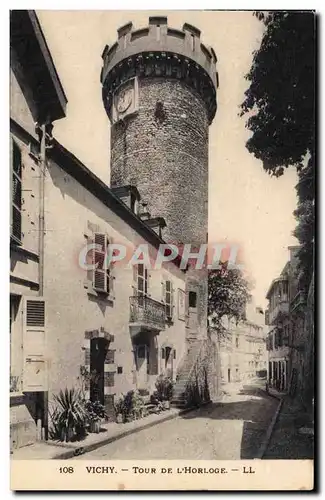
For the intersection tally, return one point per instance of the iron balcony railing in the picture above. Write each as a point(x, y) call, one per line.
point(147, 312)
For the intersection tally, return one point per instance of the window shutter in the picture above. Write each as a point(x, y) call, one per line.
point(135, 279)
point(16, 193)
point(90, 259)
point(172, 302)
point(100, 276)
point(34, 343)
point(154, 367)
point(110, 271)
point(147, 277)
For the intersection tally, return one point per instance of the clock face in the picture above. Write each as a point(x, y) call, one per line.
point(124, 100)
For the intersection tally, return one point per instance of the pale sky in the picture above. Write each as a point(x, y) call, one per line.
point(246, 206)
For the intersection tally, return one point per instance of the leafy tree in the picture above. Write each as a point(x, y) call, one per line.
point(228, 294)
point(280, 109)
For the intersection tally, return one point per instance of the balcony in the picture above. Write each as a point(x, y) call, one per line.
point(280, 310)
point(147, 314)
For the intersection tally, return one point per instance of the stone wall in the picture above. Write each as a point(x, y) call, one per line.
point(163, 150)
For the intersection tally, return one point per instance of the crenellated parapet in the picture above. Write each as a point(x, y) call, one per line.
point(160, 51)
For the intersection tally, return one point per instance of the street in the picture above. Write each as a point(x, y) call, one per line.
point(229, 430)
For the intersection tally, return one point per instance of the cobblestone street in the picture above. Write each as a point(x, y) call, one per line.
point(229, 430)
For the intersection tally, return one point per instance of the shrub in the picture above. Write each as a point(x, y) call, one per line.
point(69, 417)
point(130, 405)
point(164, 388)
point(95, 410)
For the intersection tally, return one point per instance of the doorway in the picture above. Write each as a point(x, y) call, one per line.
point(98, 351)
point(169, 361)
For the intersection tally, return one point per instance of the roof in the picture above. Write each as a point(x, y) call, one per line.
point(74, 167)
point(29, 46)
point(276, 280)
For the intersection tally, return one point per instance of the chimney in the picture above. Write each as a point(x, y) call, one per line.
point(144, 214)
point(157, 224)
point(129, 195)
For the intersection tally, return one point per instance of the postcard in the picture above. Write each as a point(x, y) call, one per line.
point(162, 169)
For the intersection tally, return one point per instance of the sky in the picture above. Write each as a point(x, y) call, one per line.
point(247, 207)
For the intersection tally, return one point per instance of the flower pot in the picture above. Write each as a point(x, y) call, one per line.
point(66, 434)
point(119, 418)
point(166, 405)
point(95, 426)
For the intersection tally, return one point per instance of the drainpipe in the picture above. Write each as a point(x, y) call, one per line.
point(45, 134)
point(41, 209)
point(45, 137)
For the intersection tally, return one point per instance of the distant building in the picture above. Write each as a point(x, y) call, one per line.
point(279, 333)
point(243, 349)
point(286, 337)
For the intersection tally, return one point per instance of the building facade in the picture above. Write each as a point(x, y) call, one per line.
point(279, 332)
point(286, 316)
point(124, 323)
point(36, 100)
point(116, 327)
point(243, 348)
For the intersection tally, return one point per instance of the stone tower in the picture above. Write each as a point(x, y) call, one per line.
point(159, 91)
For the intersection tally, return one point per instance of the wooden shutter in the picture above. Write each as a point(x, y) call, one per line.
point(110, 272)
point(154, 362)
point(100, 276)
point(34, 343)
point(135, 280)
point(16, 193)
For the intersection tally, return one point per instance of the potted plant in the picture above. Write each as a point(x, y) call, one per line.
point(119, 410)
point(164, 390)
point(69, 416)
point(95, 414)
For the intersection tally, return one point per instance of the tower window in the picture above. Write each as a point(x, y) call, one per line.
point(192, 299)
point(193, 42)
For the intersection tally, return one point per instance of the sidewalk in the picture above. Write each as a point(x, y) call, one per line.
point(287, 440)
point(109, 432)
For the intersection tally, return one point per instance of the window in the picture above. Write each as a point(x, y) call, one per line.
point(101, 274)
point(237, 342)
point(192, 299)
point(285, 290)
point(142, 283)
point(286, 334)
point(169, 299)
point(16, 199)
point(193, 42)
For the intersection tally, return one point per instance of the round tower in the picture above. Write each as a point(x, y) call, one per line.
point(159, 91)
